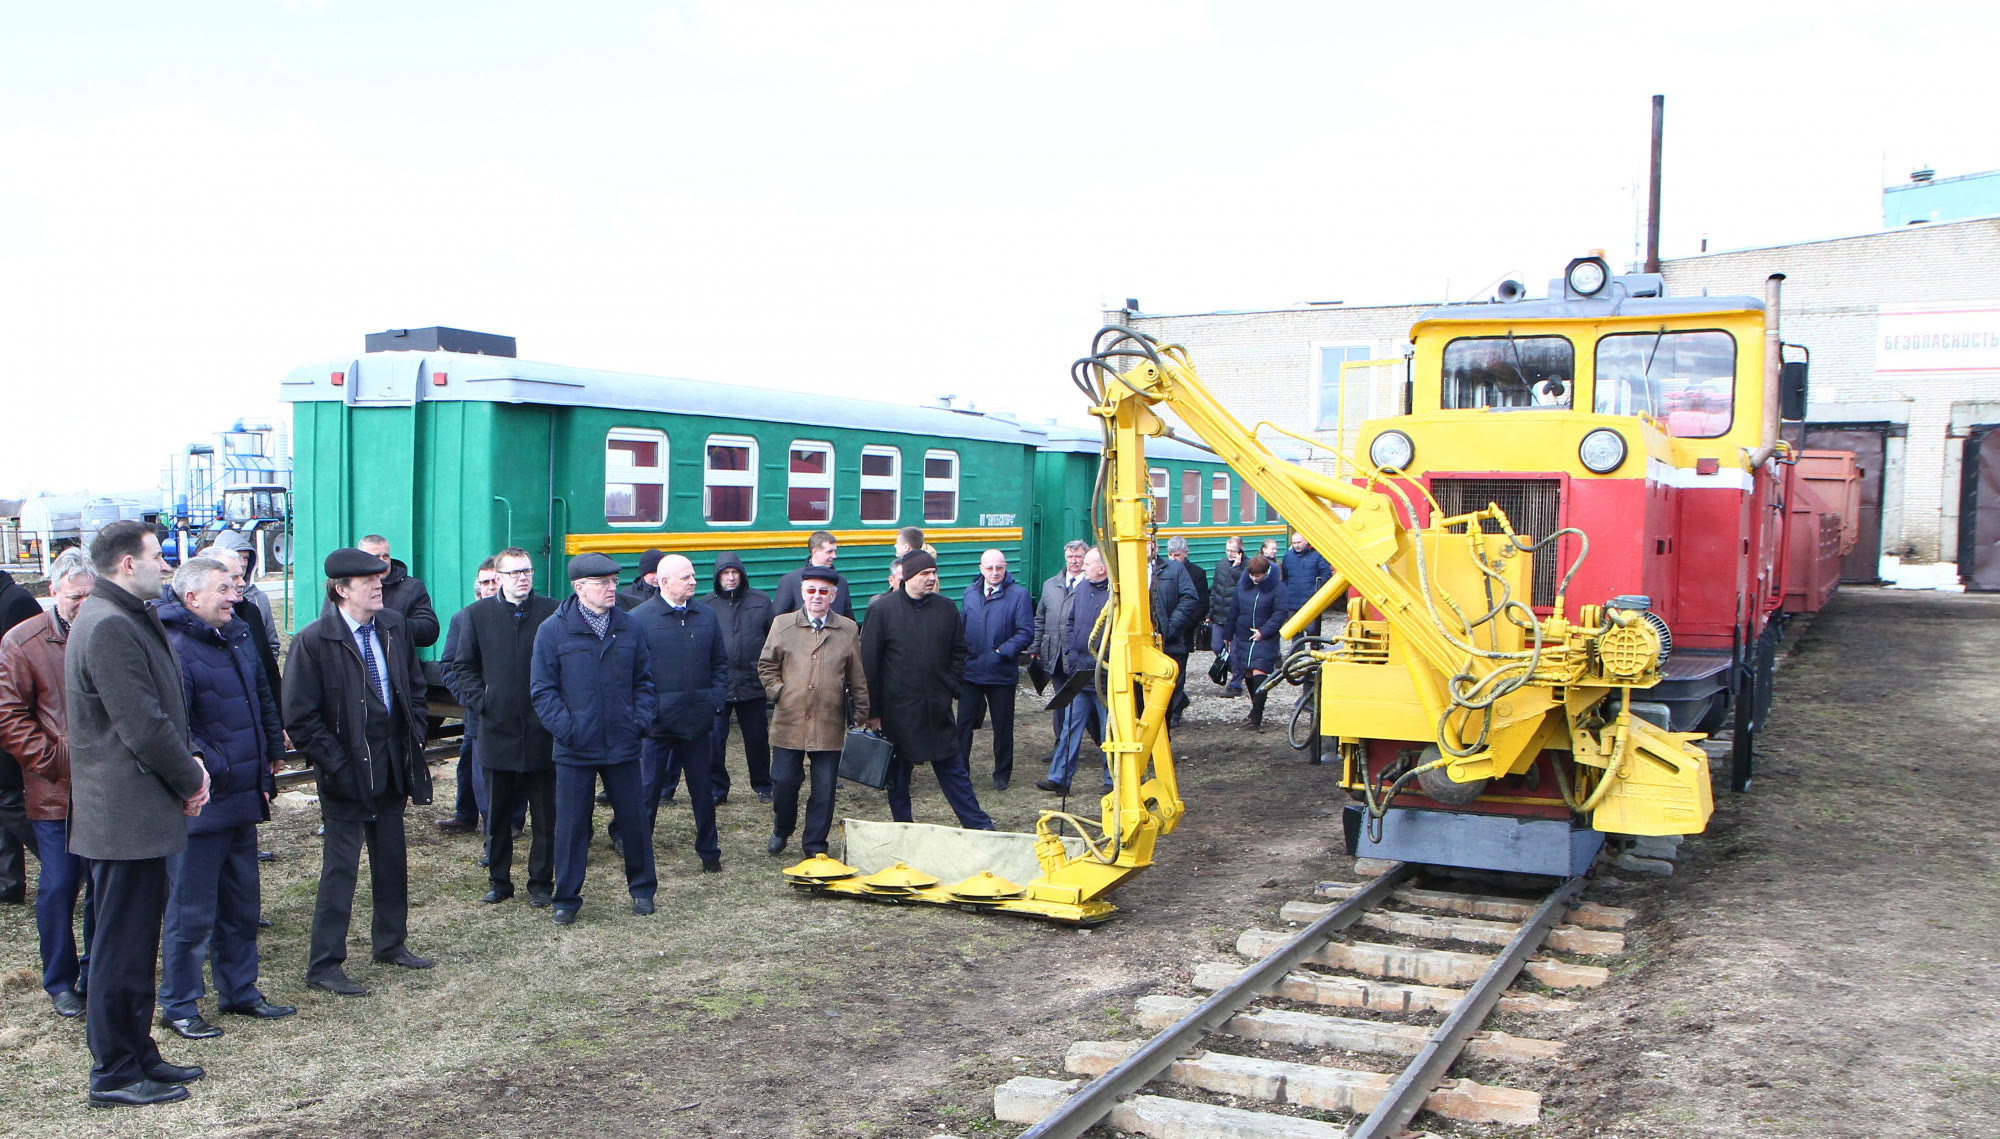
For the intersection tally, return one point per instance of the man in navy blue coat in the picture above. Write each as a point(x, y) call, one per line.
point(1303, 571)
point(690, 672)
point(213, 889)
point(591, 682)
point(999, 622)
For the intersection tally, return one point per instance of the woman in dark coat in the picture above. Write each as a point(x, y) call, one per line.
point(913, 651)
point(1257, 611)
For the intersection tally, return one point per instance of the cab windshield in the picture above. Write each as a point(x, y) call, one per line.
point(1508, 372)
point(1686, 380)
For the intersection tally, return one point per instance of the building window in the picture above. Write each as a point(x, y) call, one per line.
point(635, 477)
point(1161, 482)
point(881, 484)
point(1218, 501)
point(729, 481)
point(940, 486)
point(1190, 497)
point(809, 483)
point(1346, 395)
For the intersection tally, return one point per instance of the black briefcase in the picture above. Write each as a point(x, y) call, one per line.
point(864, 758)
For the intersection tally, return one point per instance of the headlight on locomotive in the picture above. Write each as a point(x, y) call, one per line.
point(1392, 449)
point(1602, 451)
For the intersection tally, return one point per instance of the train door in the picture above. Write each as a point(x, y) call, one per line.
point(1979, 509)
point(1869, 442)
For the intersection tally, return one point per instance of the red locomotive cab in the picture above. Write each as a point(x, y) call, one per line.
point(1642, 432)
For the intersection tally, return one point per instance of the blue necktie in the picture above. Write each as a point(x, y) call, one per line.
point(366, 635)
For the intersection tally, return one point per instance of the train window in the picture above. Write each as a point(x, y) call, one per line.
point(881, 484)
point(1190, 497)
point(1508, 371)
point(940, 486)
point(635, 477)
point(1160, 481)
point(1686, 380)
point(809, 483)
point(1218, 501)
point(1246, 511)
point(729, 481)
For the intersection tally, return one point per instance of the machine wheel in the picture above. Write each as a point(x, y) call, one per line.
point(279, 544)
point(1743, 742)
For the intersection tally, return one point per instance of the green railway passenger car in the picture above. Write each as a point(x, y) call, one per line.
point(453, 456)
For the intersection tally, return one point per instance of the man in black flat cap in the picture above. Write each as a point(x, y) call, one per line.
point(354, 704)
point(913, 651)
point(591, 682)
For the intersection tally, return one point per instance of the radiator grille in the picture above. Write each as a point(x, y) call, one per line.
point(1533, 506)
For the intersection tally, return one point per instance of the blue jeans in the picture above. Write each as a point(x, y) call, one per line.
point(64, 964)
point(213, 896)
point(953, 779)
point(1086, 710)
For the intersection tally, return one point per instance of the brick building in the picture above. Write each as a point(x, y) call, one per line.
point(1903, 327)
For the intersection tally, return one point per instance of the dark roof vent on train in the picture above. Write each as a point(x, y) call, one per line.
point(440, 339)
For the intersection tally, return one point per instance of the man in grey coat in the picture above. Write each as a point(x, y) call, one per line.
point(1051, 614)
point(133, 785)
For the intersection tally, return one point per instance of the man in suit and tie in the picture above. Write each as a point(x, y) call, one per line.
point(354, 704)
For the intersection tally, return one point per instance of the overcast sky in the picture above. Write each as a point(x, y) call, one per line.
point(894, 200)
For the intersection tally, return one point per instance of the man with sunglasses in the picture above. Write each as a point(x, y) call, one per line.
point(487, 666)
point(470, 806)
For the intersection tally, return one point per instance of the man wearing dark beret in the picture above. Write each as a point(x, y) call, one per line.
point(913, 652)
point(644, 587)
point(354, 705)
point(591, 682)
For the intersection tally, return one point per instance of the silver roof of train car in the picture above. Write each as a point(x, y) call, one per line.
point(400, 379)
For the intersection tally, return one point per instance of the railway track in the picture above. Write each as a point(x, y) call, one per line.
point(1270, 1008)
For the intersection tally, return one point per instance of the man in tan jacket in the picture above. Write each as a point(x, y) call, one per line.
point(811, 669)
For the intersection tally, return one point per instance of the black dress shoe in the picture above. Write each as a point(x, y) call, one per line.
point(406, 959)
point(539, 900)
point(260, 1008)
point(604, 798)
point(456, 826)
point(763, 796)
point(642, 906)
point(337, 982)
point(263, 923)
point(711, 866)
point(142, 1093)
point(563, 917)
point(1000, 783)
point(484, 862)
point(721, 799)
point(267, 856)
point(165, 1073)
point(777, 844)
point(495, 897)
point(1052, 785)
point(14, 898)
point(67, 1003)
point(191, 1028)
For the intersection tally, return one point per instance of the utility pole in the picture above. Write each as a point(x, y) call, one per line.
point(1653, 189)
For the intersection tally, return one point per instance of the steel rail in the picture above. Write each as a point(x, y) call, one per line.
point(1090, 1105)
point(1400, 1103)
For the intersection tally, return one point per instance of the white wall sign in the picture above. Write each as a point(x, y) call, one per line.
point(1953, 336)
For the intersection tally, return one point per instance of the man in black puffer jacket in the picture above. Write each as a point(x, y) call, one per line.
point(214, 895)
point(404, 594)
point(745, 616)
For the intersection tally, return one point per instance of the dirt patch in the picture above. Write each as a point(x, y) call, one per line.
point(1821, 965)
point(1825, 961)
